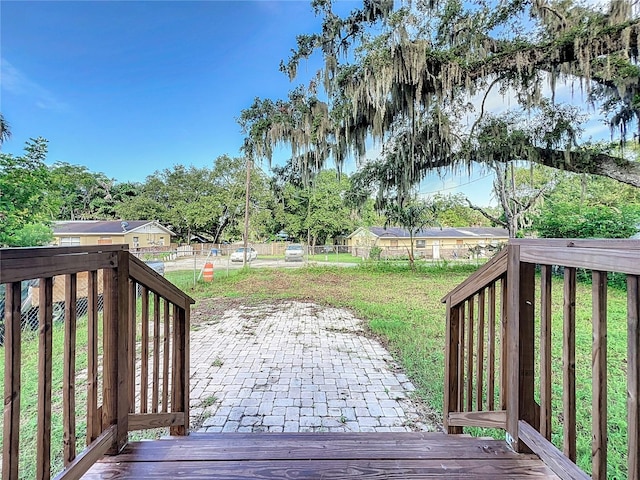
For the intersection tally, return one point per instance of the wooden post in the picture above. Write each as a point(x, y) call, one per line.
point(469, 392)
point(491, 346)
point(144, 352)
point(69, 375)
point(452, 336)
point(569, 365)
point(520, 347)
point(180, 389)
point(480, 359)
point(504, 379)
point(545, 352)
point(461, 343)
point(115, 408)
point(633, 377)
point(599, 376)
point(94, 423)
point(45, 342)
point(12, 355)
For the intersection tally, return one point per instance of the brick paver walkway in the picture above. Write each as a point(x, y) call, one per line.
point(295, 367)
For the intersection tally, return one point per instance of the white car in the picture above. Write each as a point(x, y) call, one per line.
point(238, 255)
point(294, 252)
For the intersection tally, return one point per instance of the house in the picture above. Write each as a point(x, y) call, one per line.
point(448, 243)
point(135, 233)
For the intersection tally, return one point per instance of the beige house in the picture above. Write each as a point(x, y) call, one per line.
point(436, 243)
point(135, 233)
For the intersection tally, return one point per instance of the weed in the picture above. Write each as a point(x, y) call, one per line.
point(218, 362)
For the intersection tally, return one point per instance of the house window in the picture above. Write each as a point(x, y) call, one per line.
point(458, 242)
point(161, 241)
point(393, 243)
point(105, 241)
point(69, 241)
point(136, 242)
point(421, 244)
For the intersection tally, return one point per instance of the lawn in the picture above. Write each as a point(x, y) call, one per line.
point(403, 308)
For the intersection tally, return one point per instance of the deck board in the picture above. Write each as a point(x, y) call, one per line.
point(320, 455)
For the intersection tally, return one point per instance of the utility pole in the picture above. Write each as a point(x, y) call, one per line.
point(246, 211)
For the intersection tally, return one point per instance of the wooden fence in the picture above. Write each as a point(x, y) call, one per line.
point(113, 407)
point(494, 373)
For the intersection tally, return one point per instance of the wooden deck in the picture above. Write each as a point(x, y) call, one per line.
point(320, 455)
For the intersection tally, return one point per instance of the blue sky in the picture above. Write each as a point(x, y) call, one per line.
point(127, 88)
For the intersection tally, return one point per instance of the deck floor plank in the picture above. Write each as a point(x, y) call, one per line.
point(320, 455)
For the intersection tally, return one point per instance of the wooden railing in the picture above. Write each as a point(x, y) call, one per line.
point(496, 325)
point(111, 277)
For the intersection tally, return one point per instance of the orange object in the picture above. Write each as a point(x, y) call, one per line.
point(207, 273)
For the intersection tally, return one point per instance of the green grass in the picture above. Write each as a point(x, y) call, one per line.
point(404, 309)
point(334, 258)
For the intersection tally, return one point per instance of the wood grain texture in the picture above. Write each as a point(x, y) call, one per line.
point(328, 455)
point(461, 350)
point(491, 347)
point(166, 354)
point(155, 386)
point(133, 319)
point(569, 365)
point(599, 376)
point(94, 422)
point(480, 356)
point(491, 271)
point(605, 258)
point(469, 373)
point(144, 351)
point(36, 267)
point(552, 457)
point(155, 282)
point(452, 335)
point(45, 343)
point(180, 391)
point(633, 377)
point(497, 419)
point(89, 456)
point(141, 421)
point(545, 351)
point(69, 374)
point(12, 370)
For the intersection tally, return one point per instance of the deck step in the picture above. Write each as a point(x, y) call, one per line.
point(320, 455)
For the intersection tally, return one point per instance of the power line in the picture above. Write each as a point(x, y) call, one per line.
point(457, 186)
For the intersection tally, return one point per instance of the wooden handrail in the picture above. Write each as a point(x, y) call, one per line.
point(528, 423)
point(114, 303)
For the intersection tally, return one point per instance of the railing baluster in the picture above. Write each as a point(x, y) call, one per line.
point(165, 358)
point(144, 361)
point(545, 351)
point(133, 288)
point(503, 343)
point(599, 376)
point(43, 441)
point(94, 423)
point(469, 392)
point(569, 365)
point(491, 345)
point(156, 353)
point(633, 377)
point(480, 359)
point(451, 366)
point(12, 355)
point(179, 391)
point(69, 375)
point(461, 357)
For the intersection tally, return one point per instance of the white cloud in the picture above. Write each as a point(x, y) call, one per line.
point(16, 83)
